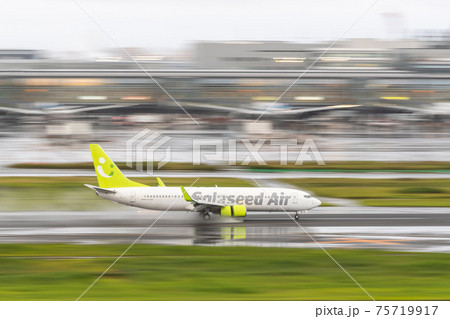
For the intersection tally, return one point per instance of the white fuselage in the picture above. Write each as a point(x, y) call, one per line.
point(253, 198)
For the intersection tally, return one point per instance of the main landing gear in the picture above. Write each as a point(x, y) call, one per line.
point(297, 214)
point(206, 215)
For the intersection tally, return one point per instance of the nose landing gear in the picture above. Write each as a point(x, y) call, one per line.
point(297, 214)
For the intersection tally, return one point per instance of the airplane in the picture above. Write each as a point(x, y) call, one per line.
point(65, 109)
point(206, 201)
point(275, 109)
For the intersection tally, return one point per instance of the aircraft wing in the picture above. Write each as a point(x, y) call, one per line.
point(269, 110)
point(218, 107)
point(93, 108)
point(315, 109)
point(240, 109)
point(18, 110)
point(63, 110)
point(200, 204)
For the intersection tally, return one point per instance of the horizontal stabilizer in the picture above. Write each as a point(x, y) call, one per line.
point(99, 189)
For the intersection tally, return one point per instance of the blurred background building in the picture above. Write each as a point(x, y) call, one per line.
point(362, 71)
point(358, 87)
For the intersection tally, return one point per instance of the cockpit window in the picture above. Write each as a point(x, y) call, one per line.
point(307, 196)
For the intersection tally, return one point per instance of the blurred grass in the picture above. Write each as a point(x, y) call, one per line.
point(361, 166)
point(381, 192)
point(70, 194)
point(351, 166)
point(57, 272)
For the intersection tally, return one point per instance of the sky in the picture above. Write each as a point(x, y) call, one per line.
point(170, 25)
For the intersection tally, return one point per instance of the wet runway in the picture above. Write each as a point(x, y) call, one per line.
point(403, 229)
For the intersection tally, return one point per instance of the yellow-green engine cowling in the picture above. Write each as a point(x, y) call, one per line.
point(233, 211)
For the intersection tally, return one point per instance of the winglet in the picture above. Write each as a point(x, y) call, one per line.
point(160, 182)
point(186, 195)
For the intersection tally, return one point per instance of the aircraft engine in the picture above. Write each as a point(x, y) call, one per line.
point(233, 211)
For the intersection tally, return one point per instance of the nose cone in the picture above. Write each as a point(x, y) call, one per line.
point(316, 202)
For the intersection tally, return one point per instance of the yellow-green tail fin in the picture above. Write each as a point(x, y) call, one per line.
point(108, 174)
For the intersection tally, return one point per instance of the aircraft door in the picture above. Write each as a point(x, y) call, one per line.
point(132, 197)
point(295, 198)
